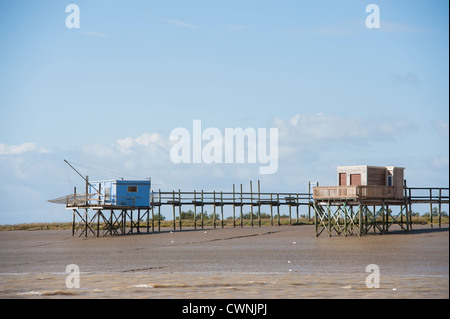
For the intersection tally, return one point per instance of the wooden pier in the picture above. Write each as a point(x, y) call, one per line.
point(366, 198)
point(347, 210)
point(336, 210)
point(91, 218)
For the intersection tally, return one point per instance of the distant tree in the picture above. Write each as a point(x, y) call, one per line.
point(435, 212)
point(156, 217)
point(186, 215)
point(255, 215)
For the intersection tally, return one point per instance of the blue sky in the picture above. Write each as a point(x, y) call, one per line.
point(107, 95)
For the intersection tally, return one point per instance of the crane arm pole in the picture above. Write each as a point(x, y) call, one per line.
point(80, 175)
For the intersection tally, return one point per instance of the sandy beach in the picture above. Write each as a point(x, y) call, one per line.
point(259, 262)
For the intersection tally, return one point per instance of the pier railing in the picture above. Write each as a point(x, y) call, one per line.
point(356, 192)
point(427, 195)
point(200, 198)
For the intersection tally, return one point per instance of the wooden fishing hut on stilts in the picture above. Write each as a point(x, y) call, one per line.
point(120, 207)
point(370, 198)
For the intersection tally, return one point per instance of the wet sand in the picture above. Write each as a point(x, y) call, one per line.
point(30, 259)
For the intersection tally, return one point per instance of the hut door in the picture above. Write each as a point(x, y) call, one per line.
point(342, 179)
point(355, 179)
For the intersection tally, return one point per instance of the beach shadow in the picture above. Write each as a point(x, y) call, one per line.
point(418, 231)
point(165, 231)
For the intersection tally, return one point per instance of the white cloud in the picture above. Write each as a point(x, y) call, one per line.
point(180, 23)
point(146, 139)
point(332, 127)
point(140, 156)
point(309, 136)
point(21, 148)
point(301, 137)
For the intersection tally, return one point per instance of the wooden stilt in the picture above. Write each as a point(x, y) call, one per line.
point(278, 209)
point(202, 209)
point(234, 209)
point(431, 208)
point(195, 210)
point(179, 209)
point(221, 208)
point(439, 207)
point(242, 222)
point(259, 204)
point(251, 204)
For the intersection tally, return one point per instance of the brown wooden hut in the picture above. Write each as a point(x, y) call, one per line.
point(364, 182)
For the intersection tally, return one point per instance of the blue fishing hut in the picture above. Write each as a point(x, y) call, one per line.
point(121, 193)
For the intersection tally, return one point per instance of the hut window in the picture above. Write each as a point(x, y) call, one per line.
point(108, 193)
point(389, 180)
point(132, 189)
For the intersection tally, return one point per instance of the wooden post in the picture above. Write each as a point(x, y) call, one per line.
point(214, 209)
point(202, 210)
point(195, 210)
point(87, 190)
point(221, 207)
point(405, 202)
point(148, 219)
point(410, 210)
point(309, 200)
point(173, 209)
point(159, 212)
point(271, 210)
point(99, 193)
point(73, 222)
point(111, 222)
point(131, 220)
point(179, 209)
point(278, 208)
point(360, 220)
point(345, 218)
point(387, 218)
point(124, 219)
point(431, 208)
point(365, 212)
point(329, 219)
point(290, 219)
point(139, 221)
point(316, 222)
point(251, 204)
point(439, 206)
point(98, 223)
point(259, 205)
point(234, 209)
point(297, 209)
point(242, 222)
point(85, 221)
